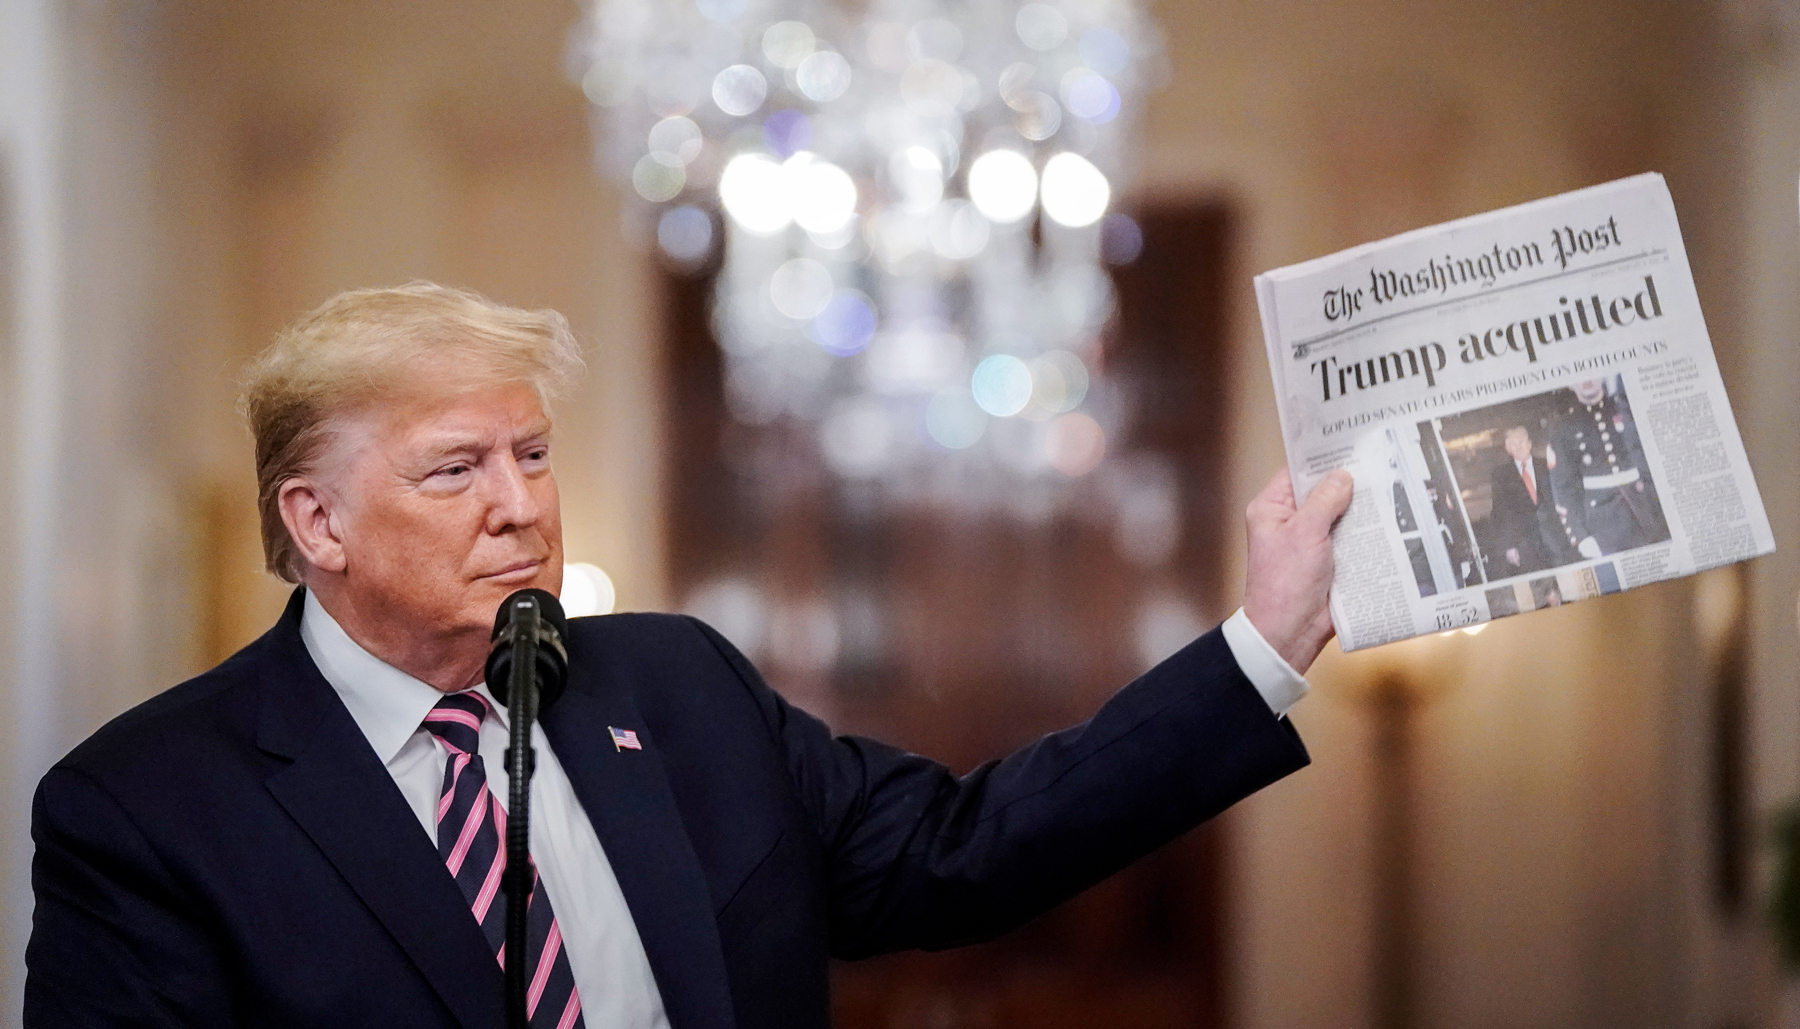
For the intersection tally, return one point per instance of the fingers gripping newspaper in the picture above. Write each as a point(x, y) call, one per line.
point(1529, 404)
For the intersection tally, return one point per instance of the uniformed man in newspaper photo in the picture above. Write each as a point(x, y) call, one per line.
point(1604, 494)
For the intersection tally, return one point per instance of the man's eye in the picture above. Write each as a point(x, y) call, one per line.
point(455, 469)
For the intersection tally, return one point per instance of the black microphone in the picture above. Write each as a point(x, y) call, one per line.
point(526, 671)
point(552, 655)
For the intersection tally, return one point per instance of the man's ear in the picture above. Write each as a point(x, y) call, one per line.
point(306, 510)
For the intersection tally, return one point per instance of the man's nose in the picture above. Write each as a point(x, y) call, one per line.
point(512, 504)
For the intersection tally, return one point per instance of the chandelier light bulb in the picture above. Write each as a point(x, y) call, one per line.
point(1075, 193)
point(754, 192)
point(1003, 185)
point(823, 195)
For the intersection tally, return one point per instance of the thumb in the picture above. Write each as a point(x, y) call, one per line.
point(1328, 501)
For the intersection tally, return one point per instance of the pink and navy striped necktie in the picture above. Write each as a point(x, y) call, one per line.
point(470, 827)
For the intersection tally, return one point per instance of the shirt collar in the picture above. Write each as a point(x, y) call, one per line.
point(387, 704)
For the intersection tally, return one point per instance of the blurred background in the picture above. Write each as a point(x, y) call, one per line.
point(1564, 820)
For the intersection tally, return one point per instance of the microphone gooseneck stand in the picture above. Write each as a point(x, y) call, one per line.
point(521, 711)
point(526, 670)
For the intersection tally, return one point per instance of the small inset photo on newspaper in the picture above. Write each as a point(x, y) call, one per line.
point(1547, 481)
point(1428, 509)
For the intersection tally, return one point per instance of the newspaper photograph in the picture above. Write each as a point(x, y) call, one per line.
point(1530, 407)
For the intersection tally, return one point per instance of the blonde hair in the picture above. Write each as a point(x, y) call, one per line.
point(361, 344)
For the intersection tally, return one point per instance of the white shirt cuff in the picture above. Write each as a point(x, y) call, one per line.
point(1281, 687)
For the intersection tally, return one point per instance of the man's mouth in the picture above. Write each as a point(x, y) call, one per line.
point(519, 571)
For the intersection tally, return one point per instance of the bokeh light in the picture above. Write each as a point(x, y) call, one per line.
point(739, 90)
point(934, 39)
point(1003, 185)
point(1001, 385)
point(1090, 97)
point(1076, 443)
point(1075, 193)
point(932, 89)
point(1059, 382)
point(1039, 115)
point(685, 233)
point(1015, 82)
point(953, 420)
point(586, 590)
point(958, 231)
point(1121, 240)
point(657, 180)
point(845, 325)
point(800, 288)
point(788, 43)
point(1104, 50)
point(787, 132)
point(1041, 27)
point(675, 140)
point(824, 76)
point(823, 195)
point(754, 193)
point(918, 177)
point(720, 11)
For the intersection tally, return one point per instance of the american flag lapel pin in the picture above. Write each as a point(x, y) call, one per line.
point(624, 739)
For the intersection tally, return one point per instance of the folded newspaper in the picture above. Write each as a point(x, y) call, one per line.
point(1529, 404)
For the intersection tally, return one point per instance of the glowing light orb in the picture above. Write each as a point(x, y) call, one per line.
point(800, 288)
point(823, 195)
point(1003, 185)
point(754, 192)
point(1001, 385)
point(586, 590)
point(1074, 192)
point(739, 90)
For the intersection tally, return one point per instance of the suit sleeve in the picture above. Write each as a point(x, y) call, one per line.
point(920, 858)
point(114, 942)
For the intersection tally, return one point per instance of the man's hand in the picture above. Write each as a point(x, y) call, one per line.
point(1512, 556)
point(1288, 574)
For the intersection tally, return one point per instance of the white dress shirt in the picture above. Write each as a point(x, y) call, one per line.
point(612, 972)
point(606, 957)
point(1281, 687)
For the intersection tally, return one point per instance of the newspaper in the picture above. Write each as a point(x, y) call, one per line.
point(1530, 407)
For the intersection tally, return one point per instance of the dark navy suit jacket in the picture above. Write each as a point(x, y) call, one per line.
point(231, 853)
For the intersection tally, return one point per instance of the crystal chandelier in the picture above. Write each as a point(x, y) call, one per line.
point(912, 204)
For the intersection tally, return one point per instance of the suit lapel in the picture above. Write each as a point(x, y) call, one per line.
point(346, 801)
point(627, 797)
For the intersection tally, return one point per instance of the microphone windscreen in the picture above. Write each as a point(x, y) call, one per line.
point(549, 607)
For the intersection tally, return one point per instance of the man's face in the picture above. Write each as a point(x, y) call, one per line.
point(1591, 391)
point(1518, 443)
point(446, 505)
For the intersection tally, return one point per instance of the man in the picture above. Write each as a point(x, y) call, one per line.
point(1524, 517)
point(308, 834)
point(1605, 499)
